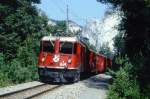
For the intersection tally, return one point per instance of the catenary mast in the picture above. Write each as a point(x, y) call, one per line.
point(67, 19)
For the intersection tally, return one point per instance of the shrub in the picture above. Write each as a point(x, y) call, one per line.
point(4, 81)
point(23, 68)
point(20, 69)
point(123, 86)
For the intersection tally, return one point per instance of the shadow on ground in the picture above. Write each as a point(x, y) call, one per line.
point(98, 82)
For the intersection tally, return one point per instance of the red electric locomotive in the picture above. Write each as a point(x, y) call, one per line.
point(62, 59)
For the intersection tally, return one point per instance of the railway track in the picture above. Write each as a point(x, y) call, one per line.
point(31, 92)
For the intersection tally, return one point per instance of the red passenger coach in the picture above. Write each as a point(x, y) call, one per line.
point(100, 63)
point(62, 59)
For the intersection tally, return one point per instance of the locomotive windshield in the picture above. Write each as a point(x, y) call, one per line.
point(48, 46)
point(66, 47)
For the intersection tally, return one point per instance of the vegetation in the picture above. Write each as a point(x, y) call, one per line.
point(21, 27)
point(58, 29)
point(105, 50)
point(135, 43)
point(123, 86)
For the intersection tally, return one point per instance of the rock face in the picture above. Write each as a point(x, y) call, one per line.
point(101, 32)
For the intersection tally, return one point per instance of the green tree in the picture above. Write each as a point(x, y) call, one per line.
point(59, 29)
point(21, 27)
point(105, 50)
point(19, 19)
point(136, 25)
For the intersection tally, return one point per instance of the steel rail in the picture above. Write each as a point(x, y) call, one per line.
point(38, 95)
point(30, 92)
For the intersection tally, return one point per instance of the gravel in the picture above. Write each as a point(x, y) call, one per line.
point(92, 88)
point(10, 89)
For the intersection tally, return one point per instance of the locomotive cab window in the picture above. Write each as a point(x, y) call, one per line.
point(66, 47)
point(48, 46)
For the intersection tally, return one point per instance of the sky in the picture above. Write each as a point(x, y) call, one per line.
point(79, 10)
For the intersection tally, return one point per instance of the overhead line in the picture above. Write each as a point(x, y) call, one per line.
point(72, 12)
point(60, 9)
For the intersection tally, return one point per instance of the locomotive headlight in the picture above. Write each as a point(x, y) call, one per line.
point(43, 59)
point(69, 61)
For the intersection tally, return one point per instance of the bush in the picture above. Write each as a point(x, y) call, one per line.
point(123, 86)
point(20, 69)
point(23, 68)
point(4, 81)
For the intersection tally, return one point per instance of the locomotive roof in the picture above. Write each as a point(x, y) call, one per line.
point(64, 39)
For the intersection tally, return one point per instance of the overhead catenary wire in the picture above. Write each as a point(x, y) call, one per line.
point(59, 7)
point(70, 9)
point(72, 14)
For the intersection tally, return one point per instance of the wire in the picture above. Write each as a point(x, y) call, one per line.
point(63, 2)
point(74, 15)
point(58, 6)
point(72, 12)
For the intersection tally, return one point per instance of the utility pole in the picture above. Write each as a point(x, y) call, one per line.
point(67, 20)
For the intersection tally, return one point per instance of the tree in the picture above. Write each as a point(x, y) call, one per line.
point(136, 25)
point(105, 50)
point(21, 27)
point(19, 19)
point(59, 28)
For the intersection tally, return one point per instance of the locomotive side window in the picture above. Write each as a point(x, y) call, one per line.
point(66, 47)
point(48, 46)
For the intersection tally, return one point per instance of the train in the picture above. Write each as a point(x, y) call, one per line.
point(64, 59)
